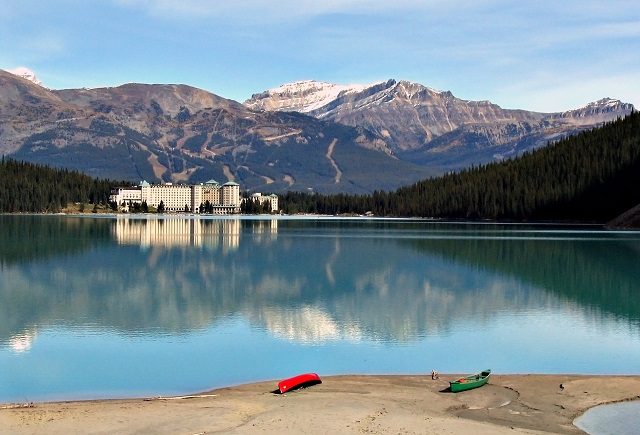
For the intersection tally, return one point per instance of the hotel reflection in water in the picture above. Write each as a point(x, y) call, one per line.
point(176, 232)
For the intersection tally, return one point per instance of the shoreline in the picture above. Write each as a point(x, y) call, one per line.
point(522, 404)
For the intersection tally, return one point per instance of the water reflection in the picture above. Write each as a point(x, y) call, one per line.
point(598, 269)
point(130, 306)
point(26, 238)
point(308, 325)
point(176, 232)
point(304, 280)
point(22, 342)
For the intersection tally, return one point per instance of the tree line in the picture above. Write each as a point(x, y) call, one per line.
point(31, 188)
point(591, 177)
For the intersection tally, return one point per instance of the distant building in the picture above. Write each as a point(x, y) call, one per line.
point(221, 199)
point(261, 199)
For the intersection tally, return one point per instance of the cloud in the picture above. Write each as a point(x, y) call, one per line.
point(34, 49)
point(31, 32)
point(552, 91)
point(285, 10)
point(479, 50)
point(44, 45)
point(176, 9)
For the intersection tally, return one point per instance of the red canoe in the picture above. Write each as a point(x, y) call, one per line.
point(304, 380)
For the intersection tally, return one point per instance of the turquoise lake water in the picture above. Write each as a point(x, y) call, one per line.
point(102, 307)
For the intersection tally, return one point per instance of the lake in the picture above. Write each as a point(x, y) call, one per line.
point(132, 306)
point(611, 419)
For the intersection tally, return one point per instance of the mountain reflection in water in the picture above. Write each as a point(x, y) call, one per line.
point(306, 281)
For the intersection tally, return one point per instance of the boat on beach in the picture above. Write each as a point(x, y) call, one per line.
point(470, 382)
point(303, 380)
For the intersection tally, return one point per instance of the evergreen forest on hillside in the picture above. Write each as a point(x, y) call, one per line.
point(590, 177)
point(30, 188)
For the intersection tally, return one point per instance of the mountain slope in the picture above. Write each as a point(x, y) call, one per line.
point(27, 74)
point(350, 139)
point(431, 127)
point(177, 133)
point(627, 220)
point(588, 177)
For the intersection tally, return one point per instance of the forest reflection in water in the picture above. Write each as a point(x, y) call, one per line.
point(368, 285)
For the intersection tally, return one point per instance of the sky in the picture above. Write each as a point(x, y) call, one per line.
point(543, 55)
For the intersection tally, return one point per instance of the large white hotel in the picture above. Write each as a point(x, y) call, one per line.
point(222, 199)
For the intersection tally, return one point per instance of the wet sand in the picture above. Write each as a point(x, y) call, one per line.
point(527, 404)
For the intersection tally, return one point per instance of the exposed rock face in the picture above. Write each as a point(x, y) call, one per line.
point(353, 139)
point(422, 124)
point(304, 96)
point(177, 133)
point(606, 109)
point(166, 99)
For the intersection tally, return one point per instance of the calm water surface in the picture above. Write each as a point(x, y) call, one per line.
point(613, 419)
point(98, 307)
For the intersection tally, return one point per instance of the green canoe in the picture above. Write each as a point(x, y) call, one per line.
point(469, 382)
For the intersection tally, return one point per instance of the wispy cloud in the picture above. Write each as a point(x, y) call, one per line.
point(33, 49)
point(288, 10)
point(543, 89)
point(44, 45)
point(506, 51)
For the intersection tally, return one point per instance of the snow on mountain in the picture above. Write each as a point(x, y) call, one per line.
point(601, 105)
point(26, 73)
point(414, 120)
point(301, 96)
point(606, 109)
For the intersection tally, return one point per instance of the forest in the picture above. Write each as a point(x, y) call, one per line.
point(28, 188)
point(590, 177)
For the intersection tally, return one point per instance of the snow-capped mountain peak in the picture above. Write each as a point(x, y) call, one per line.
point(605, 109)
point(26, 73)
point(302, 96)
point(605, 102)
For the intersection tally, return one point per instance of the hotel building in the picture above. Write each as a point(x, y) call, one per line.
point(224, 199)
point(261, 199)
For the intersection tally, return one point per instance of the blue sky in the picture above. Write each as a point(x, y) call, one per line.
point(537, 55)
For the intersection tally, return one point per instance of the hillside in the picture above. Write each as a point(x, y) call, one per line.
point(430, 127)
point(350, 139)
point(627, 220)
point(584, 178)
point(31, 188)
point(589, 177)
point(176, 133)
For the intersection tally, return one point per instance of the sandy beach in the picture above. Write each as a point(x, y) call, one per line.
point(527, 404)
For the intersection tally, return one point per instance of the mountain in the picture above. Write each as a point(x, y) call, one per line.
point(431, 127)
point(303, 136)
point(627, 220)
point(304, 96)
point(26, 73)
point(177, 133)
point(587, 177)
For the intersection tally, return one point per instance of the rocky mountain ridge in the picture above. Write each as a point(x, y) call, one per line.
point(27, 74)
point(177, 133)
point(303, 96)
point(306, 136)
point(424, 125)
